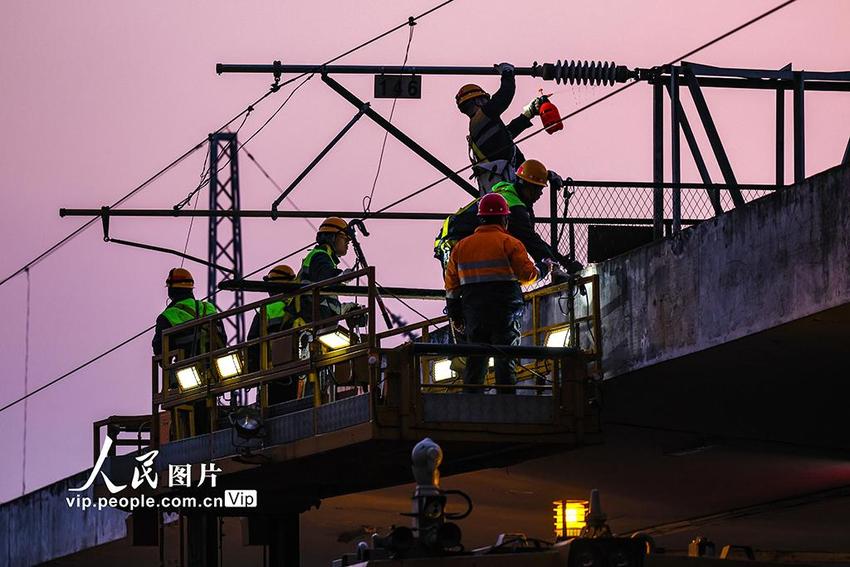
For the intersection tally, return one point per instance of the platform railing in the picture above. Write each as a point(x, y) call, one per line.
point(289, 353)
point(365, 366)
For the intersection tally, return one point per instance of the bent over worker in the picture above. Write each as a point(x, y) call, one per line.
point(532, 177)
point(277, 319)
point(491, 143)
point(483, 294)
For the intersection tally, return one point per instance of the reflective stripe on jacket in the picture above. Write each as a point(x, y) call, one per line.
point(489, 255)
point(186, 310)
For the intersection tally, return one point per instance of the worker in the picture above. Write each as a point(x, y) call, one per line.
point(321, 263)
point(532, 177)
point(491, 143)
point(278, 319)
point(182, 308)
point(483, 294)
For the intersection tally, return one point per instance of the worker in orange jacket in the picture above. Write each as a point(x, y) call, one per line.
point(483, 294)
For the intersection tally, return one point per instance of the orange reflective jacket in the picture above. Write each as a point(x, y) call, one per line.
point(489, 255)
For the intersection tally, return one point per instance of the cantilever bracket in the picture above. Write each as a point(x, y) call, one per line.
point(401, 136)
point(363, 108)
point(713, 194)
point(713, 135)
point(104, 219)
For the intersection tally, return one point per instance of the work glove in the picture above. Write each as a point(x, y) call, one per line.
point(555, 180)
point(347, 271)
point(544, 266)
point(532, 109)
point(504, 68)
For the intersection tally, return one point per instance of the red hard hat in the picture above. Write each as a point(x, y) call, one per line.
point(493, 205)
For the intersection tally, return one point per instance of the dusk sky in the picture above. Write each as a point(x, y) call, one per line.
point(98, 95)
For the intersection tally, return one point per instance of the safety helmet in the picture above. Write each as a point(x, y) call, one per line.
point(493, 205)
point(333, 225)
point(469, 92)
point(180, 277)
point(533, 172)
point(282, 273)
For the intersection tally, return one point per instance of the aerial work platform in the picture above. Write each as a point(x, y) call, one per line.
point(361, 404)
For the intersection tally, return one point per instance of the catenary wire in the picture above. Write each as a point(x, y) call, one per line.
point(127, 341)
point(200, 144)
point(393, 204)
point(599, 100)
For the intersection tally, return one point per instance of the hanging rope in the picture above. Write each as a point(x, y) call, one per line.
point(367, 201)
point(26, 386)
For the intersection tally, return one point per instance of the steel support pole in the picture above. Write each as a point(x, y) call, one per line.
point(799, 128)
point(675, 154)
point(203, 540)
point(780, 137)
point(713, 192)
point(658, 160)
point(402, 137)
point(553, 215)
point(285, 541)
point(713, 135)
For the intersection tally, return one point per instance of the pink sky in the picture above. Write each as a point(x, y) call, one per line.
point(99, 95)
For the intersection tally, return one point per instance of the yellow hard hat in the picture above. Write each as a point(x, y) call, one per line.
point(282, 273)
point(533, 172)
point(180, 277)
point(469, 92)
point(333, 225)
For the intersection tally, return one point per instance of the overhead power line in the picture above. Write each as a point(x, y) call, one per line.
point(601, 99)
point(248, 109)
point(200, 144)
point(409, 196)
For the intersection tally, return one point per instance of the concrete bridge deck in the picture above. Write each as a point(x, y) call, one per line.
point(728, 343)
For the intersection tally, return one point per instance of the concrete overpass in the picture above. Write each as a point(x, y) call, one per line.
point(724, 356)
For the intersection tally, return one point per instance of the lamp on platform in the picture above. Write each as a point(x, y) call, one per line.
point(334, 337)
point(188, 378)
point(558, 337)
point(229, 365)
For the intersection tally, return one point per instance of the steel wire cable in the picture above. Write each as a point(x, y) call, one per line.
point(386, 207)
point(200, 144)
point(127, 341)
point(367, 201)
point(599, 100)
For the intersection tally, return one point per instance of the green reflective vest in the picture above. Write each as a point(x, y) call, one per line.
point(446, 240)
point(308, 259)
point(187, 309)
point(275, 310)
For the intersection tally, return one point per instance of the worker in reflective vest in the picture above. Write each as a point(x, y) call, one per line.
point(483, 294)
point(182, 308)
point(320, 264)
point(278, 319)
point(532, 177)
point(491, 143)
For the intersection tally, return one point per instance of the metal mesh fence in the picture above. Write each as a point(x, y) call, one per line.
point(586, 204)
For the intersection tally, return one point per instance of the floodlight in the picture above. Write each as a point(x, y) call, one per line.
point(229, 365)
point(188, 378)
point(334, 337)
point(558, 337)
